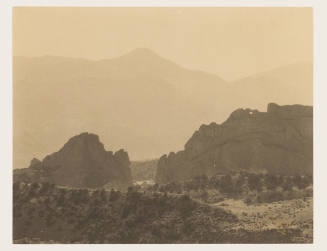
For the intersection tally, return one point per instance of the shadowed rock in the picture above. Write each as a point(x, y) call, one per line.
point(277, 141)
point(81, 162)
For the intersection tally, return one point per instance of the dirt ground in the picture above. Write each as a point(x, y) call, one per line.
point(290, 214)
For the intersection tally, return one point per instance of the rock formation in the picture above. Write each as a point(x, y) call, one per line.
point(277, 141)
point(81, 162)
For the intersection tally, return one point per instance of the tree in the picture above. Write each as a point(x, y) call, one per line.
point(103, 195)
point(301, 181)
point(254, 182)
point(33, 189)
point(114, 195)
point(271, 181)
point(239, 184)
point(288, 184)
point(201, 182)
point(214, 182)
point(45, 188)
point(226, 184)
point(204, 195)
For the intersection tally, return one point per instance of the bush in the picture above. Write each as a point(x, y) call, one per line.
point(114, 195)
point(255, 182)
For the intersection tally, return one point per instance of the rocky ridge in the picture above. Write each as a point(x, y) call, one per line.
point(277, 141)
point(81, 162)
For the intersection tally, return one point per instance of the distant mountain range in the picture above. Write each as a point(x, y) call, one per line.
point(140, 101)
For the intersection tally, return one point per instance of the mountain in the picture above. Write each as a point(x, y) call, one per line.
point(139, 101)
point(293, 82)
point(81, 162)
point(144, 170)
point(278, 141)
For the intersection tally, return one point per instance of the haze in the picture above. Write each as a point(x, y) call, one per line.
point(163, 72)
point(230, 42)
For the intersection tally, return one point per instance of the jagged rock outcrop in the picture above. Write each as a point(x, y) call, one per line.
point(81, 162)
point(277, 141)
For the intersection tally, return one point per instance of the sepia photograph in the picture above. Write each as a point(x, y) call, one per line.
point(162, 125)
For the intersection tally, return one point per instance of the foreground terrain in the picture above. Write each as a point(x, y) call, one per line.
point(296, 214)
point(44, 213)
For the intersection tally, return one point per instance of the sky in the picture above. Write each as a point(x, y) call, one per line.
point(228, 41)
point(159, 110)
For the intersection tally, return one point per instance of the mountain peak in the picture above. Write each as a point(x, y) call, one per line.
point(85, 135)
point(147, 62)
point(85, 138)
point(142, 51)
point(143, 55)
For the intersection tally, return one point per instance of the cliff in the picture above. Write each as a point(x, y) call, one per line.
point(277, 141)
point(81, 162)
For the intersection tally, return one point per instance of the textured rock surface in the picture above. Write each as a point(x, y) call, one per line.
point(81, 162)
point(277, 141)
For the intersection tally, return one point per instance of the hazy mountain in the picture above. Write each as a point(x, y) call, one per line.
point(292, 82)
point(279, 141)
point(139, 101)
point(144, 170)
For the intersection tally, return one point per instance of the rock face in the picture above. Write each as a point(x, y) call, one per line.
point(81, 162)
point(144, 170)
point(277, 141)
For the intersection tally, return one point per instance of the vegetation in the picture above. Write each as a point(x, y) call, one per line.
point(250, 187)
point(44, 213)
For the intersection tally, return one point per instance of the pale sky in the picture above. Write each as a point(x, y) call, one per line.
point(230, 42)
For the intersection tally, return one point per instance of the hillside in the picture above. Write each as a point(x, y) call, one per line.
point(279, 141)
point(47, 214)
point(81, 162)
point(117, 98)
